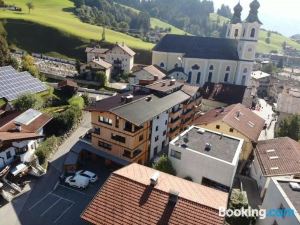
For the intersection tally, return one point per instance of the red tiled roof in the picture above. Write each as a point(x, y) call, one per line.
point(280, 156)
point(238, 117)
point(127, 198)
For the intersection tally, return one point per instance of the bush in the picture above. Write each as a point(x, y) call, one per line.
point(46, 148)
point(77, 101)
point(28, 101)
point(28, 65)
point(165, 165)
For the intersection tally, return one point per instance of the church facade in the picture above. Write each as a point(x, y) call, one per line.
point(202, 60)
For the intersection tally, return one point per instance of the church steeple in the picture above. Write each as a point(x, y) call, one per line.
point(253, 14)
point(236, 18)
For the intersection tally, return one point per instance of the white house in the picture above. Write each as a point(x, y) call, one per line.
point(199, 60)
point(20, 135)
point(144, 75)
point(282, 202)
point(97, 65)
point(206, 156)
point(261, 81)
point(277, 157)
point(95, 53)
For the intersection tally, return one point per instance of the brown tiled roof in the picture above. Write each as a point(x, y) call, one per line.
point(225, 93)
point(67, 83)
point(164, 86)
point(190, 90)
point(280, 156)
point(102, 63)
point(96, 50)
point(127, 198)
point(154, 71)
point(12, 136)
point(236, 116)
point(126, 49)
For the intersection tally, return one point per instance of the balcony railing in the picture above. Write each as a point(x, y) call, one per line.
point(187, 111)
point(175, 120)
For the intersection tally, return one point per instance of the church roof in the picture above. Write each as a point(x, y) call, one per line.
point(199, 47)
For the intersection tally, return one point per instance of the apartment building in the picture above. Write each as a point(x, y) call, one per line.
point(136, 126)
point(141, 195)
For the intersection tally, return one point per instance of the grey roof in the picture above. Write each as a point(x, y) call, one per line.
point(293, 195)
point(14, 83)
point(199, 47)
point(223, 147)
point(141, 111)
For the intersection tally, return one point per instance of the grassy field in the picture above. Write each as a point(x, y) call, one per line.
point(57, 14)
point(263, 47)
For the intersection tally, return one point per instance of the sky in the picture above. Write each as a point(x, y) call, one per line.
point(278, 15)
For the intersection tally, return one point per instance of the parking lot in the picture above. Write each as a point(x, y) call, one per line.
point(64, 204)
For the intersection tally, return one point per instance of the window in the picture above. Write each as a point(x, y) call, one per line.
point(243, 80)
point(127, 154)
point(249, 49)
point(236, 33)
point(164, 133)
point(155, 150)
point(156, 128)
point(244, 32)
point(231, 130)
point(104, 145)
point(253, 33)
point(228, 34)
point(175, 154)
point(228, 68)
point(211, 67)
point(162, 64)
point(105, 120)
point(209, 76)
point(176, 65)
point(156, 138)
point(245, 70)
point(218, 126)
point(226, 77)
point(195, 67)
point(118, 138)
point(117, 122)
point(190, 77)
point(157, 117)
point(97, 130)
point(198, 77)
point(166, 122)
point(8, 155)
point(141, 137)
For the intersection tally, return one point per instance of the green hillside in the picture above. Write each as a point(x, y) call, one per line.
point(57, 14)
point(263, 47)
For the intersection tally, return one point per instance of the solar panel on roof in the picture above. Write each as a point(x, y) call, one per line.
point(27, 117)
point(14, 84)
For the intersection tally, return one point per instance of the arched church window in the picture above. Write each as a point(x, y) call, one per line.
point(195, 67)
point(228, 68)
point(236, 33)
point(210, 74)
point(198, 77)
point(190, 77)
point(211, 67)
point(249, 49)
point(226, 77)
point(228, 32)
point(162, 64)
point(243, 82)
point(244, 32)
point(253, 33)
point(245, 70)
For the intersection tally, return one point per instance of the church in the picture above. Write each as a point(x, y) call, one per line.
point(206, 60)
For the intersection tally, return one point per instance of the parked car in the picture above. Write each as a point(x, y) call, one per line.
point(90, 175)
point(77, 181)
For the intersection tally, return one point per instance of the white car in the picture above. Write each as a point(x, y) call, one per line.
point(90, 175)
point(77, 181)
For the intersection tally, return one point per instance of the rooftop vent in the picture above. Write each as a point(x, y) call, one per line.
point(148, 99)
point(251, 124)
point(128, 98)
point(270, 150)
point(173, 196)
point(208, 147)
point(274, 168)
point(172, 82)
point(154, 178)
point(186, 138)
point(295, 186)
point(184, 145)
point(163, 84)
point(18, 127)
point(274, 157)
point(200, 131)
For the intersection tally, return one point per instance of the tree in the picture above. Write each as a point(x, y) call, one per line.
point(284, 45)
point(225, 11)
point(28, 101)
point(289, 127)
point(86, 98)
point(28, 64)
point(101, 78)
point(103, 34)
point(4, 51)
point(165, 165)
point(268, 68)
point(2, 4)
point(30, 6)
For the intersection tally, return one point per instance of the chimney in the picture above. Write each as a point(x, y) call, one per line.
point(128, 98)
point(172, 82)
point(18, 127)
point(154, 178)
point(148, 99)
point(207, 147)
point(173, 196)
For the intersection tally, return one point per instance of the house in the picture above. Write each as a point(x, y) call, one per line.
point(261, 82)
point(13, 84)
point(68, 87)
point(234, 120)
point(144, 75)
point(121, 57)
point(95, 53)
point(207, 157)
point(97, 65)
point(277, 157)
point(136, 126)
point(288, 102)
point(214, 60)
point(140, 195)
point(20, 135)
point(282, 196)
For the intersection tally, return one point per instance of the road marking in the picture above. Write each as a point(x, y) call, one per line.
point(50, 207)
point(68, 200)
point(39, 201)
point(74, 190)
point(64, 212)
